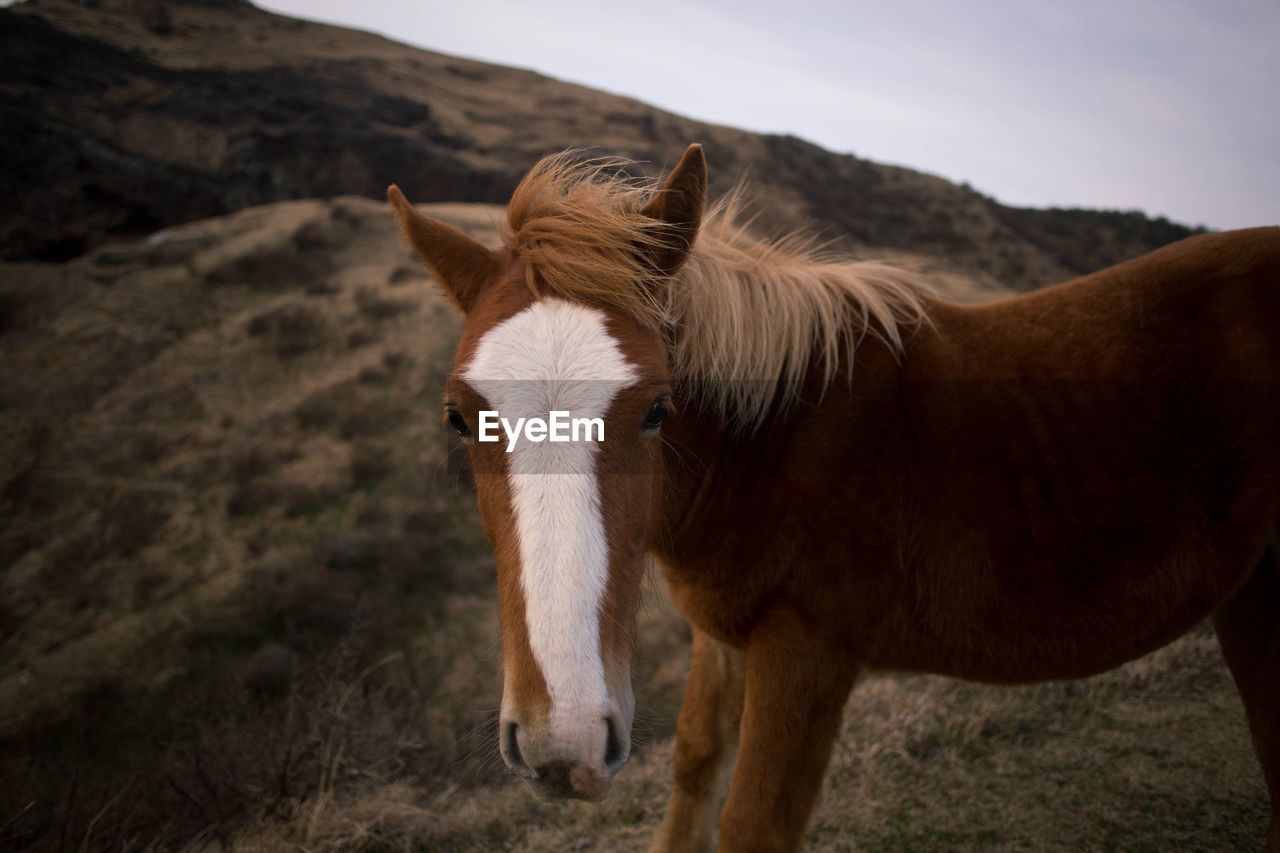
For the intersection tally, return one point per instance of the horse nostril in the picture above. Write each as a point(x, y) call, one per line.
point(615, 752)
point(510, 746)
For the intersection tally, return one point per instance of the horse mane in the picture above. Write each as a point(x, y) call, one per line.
point(745, 318)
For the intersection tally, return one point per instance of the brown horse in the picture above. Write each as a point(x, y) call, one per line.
point(1040, 488)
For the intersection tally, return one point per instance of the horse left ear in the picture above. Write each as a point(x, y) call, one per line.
point(679, 204)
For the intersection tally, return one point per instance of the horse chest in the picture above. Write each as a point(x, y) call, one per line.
point(716, 609)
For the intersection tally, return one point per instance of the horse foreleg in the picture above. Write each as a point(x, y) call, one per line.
point(1248, 627)
point(796, 687)
point(706, 746)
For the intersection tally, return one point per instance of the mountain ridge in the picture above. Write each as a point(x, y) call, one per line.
point(126, 116)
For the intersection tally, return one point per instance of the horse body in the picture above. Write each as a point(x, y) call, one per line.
point(857, 476)
point(1040, 488)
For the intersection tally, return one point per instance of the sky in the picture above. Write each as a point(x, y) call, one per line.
point(1166, 106)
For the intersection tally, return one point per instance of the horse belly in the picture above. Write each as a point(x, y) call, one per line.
point(1065, 601)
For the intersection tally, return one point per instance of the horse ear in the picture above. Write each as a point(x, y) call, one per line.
point(462, 265)
point(679, 204)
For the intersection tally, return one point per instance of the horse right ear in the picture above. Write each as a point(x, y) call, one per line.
point(462, 265)
point(679, 206)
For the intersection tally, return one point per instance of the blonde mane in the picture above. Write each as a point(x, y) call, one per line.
point(745, 318)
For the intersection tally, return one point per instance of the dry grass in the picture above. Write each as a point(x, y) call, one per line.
point(1153, 756)
point(198, 471)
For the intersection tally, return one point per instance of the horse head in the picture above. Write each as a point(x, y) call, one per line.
point(558, 389)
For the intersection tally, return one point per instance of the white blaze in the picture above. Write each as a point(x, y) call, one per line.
point(557, 356)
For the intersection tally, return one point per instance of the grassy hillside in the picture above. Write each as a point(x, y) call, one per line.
point(224, 498)
point(245, 598)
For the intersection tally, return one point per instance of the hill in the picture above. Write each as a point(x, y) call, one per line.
point(245, 599)
point(222, 500)
point(244, 596)
point(124, 116)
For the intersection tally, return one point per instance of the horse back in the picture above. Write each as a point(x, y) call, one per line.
point(1209, 304)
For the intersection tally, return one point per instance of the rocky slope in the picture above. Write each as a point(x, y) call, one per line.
point(123, 116)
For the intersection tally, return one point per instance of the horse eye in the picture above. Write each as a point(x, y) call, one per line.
point(459, 424)
point(656, 413)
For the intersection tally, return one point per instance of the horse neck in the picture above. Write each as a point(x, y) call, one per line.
point(694, 464)
point(711, 462)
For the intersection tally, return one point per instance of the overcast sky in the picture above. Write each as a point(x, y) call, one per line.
point(1169, 106)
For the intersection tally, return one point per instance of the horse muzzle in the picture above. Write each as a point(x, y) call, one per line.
point(566, 758)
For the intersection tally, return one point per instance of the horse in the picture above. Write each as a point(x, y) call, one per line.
point(839, 472)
